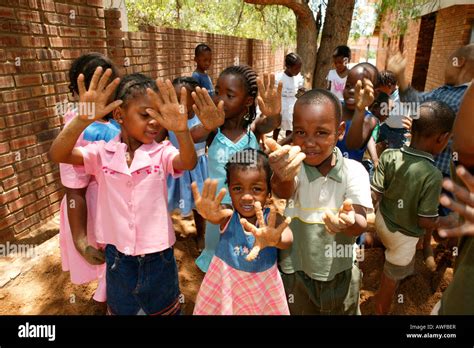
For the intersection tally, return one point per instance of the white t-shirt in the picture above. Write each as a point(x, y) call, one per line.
point(288, 96)
point(337, 83)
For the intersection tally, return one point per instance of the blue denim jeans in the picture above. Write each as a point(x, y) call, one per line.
point(145, 284)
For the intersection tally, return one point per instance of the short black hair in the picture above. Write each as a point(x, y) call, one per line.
point(434, 118)
point(202, 47)
point(249, 158)
point(387, 78)
point(342, 51)
point(292, 59)
point(189, 82)
point(321, 96)
point(371, 70)
point(133, 85)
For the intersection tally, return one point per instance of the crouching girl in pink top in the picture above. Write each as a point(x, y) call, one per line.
point(131, 171)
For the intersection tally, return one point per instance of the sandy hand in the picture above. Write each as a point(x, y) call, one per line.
point(208, 205)
point(269, 96)
point(285, 161)
point(170, 113)
point(94, 100)
point(210, 115)
point(343, 219)
point(364, 94)
point(92, 255)
point(266, 235)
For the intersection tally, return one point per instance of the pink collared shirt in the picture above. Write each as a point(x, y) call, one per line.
point(132, 209)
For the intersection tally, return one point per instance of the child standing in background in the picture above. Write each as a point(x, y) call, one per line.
point(80, 254)
point(179, 189)
point(408, 185)
point(243, 277)
point(337, 77)
point(131, 171)
point(293, 82)
point(203, 59)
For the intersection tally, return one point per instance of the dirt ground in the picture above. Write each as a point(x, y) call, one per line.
point(46, 289)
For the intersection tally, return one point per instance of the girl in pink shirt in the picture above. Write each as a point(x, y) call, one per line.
point(131, 170)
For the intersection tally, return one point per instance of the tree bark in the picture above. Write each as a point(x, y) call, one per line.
point(337, 25)
point(306, 33)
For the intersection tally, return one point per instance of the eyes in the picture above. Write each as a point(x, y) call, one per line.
point(318, 134)
point(239, 189)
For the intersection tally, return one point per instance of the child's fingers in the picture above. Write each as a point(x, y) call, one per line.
point(221, 195)
point(184, 97)
point(95, 78)
point(280, 88)
point(358, 88)
point(272, 217)
point(347, 205)
point(196, 109)
point(461, 209)
point(205, 188)
point(111, 87)
point(261, 103)
point(465, 229)
point(163, 91)
point(104, 79)
point(272, 144)
point(172, 93)
point(294, 151)
point(368, 83)
point(260, 86)
point(80, 84)
point(259, 213)
point(197, 99)
point(279, 154)
point(220, 108)
point(212, 190)
point(283, 225)
point(466, 177)
point(248, 226)
point(253, 253)
point(272, 81)
point(225, 213)
point(206, 97)
point(195, 190)
point(347, 219)
point(111, 107)
point(155, 97)
point(461, 193)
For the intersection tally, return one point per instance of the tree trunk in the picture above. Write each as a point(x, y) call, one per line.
point(337, 25)
point(306, 33)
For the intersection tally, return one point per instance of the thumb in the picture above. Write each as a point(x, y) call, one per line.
point(272, 144)
point(347, 205)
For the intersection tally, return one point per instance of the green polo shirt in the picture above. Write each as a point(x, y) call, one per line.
point(411, 185)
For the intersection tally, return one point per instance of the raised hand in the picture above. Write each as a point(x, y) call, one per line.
point(94, 102)
point(343, 219)
point(211, 117)
point(266, 235)
point(208, 205)
point(464, 206)
point(167, 110)
point(284, 160)
point(364, 94)
point(269, 96)
point(397, 65)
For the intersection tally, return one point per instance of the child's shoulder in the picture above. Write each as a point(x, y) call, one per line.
point(352, 168)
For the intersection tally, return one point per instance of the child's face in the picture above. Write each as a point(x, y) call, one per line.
point(294, 69)
point(203, 60)
point(315, 131)
point(189, 99)
point(231, 90)
point(355, 74)
point(135, 120)
point(340, 63)
point(247, 186)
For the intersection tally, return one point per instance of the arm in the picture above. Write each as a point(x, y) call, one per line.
point(286, 237)
point(376, 198)
point(463, 141)
point(199, 133)
point(62, 150)
point(350, 220)
point(283, 189)
point(187, 158)
point(372, 148)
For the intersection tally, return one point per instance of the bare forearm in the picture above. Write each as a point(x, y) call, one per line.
point(264, 125)
point(355, 137)
point(77, 214)
point(61, 150)
point(358, 227)
point(187, 154)
point(373, 151)
point(199, 133)
point(283, 189)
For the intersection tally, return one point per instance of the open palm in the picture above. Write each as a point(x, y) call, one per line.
point(207, 204)
point(269, 98)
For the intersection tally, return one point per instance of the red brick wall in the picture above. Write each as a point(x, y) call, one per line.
point(453, 27)
point(38, 41)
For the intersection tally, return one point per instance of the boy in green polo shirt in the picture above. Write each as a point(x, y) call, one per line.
point(328, 196)
point(406, 186)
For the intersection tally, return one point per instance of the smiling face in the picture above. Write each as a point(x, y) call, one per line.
point(135, 121)
point(294, 69)
point(247, 185)
point(315, 131)
point(203, 60)
point(340, 63)
point(230, 88)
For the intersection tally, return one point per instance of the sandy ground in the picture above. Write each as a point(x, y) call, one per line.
point(39, 286)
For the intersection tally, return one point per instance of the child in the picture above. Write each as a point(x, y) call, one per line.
point(131, 172)
point(231, 128)
point(179, 190)
point(243, 276)
point(203, 59)
point(328, 196)
point(77, 233)
point(336, 78)
point(358, 95)
point(408, 185)
point(292, 84)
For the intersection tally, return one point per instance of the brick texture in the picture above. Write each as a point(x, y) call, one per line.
point(38, 41)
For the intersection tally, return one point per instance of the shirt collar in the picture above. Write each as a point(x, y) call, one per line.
point(416, 152)
point(335, 173)
point(141, 158)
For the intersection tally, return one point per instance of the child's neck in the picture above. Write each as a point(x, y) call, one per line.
point(132, 145)
point(421, 144)
point(326, 165)
point(199, 70)
point(346, 113)
point(343, 73)
point(288, 73)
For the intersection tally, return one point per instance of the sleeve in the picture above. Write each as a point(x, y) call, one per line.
point(378, 178)
point(329, 76)
point(358, 185)
point(428, 203)
point(411, 95)
point(91, 154)
point(167, 157)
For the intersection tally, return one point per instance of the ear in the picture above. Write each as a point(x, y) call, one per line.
point(443, 138)
point(250, 101)
point(118, 114)
point(341, 130)
point(458, 62)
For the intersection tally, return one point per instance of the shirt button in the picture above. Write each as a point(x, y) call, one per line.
point(130, 204)
point(130, 225)
point(129, 183)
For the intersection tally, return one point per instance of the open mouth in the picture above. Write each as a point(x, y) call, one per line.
point(247, 207)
